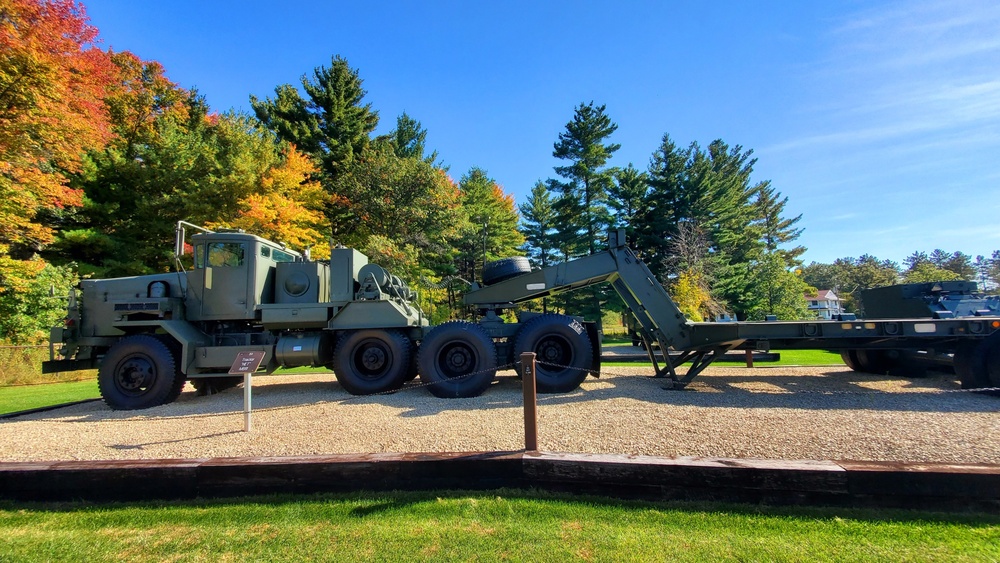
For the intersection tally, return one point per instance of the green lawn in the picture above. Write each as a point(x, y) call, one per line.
point(495, 526)
point(25, 397)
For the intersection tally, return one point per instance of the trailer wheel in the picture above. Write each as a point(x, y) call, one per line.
point(457, 359)
point(564, 355)
point(372, 361)
point(975, 362)
point(993, 359)
point(139, 372)
point(874, 361)
point(850, 358)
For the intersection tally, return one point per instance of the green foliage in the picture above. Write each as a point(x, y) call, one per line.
point(927, 272)
point(538, 223)
point(27, 310)
point(625, 197)
point(409, 139)
point(333, 124)
point(405, 213)
point(490, 231)
point(849, 276)
point(583, 213)
point(778, 291)
point(191, 166)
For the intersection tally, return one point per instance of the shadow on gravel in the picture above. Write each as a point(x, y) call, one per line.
point(836, 389)
point(833, 390)
point(178, 441)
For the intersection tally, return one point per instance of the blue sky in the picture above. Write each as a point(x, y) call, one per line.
point(879, 120)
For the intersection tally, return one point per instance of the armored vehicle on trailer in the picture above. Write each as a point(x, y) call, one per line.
point(927, 300)
point(147, 335)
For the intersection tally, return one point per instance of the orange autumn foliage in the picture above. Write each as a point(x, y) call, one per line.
point(52, 84)
point(288, 207)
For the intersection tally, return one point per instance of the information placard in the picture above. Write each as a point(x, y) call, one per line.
point(247, 362)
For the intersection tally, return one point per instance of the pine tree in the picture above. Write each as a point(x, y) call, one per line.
point(587, 179)
point(537, 225)
point(582, 214)
point(409, 139)
point(625, 196)
point(333, 124)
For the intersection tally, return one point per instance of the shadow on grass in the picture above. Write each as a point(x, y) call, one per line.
point(364, 504)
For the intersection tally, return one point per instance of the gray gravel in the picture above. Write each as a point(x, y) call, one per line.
point(827, 413)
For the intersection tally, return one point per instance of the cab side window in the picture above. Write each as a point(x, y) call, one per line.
point(226, 254)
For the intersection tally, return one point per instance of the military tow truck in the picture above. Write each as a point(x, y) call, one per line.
point(147, 335)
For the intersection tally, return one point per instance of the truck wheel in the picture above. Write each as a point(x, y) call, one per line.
point(138, 372)
point(457, 359)
point(564, 355)
point(372, 361)
point(504, 269)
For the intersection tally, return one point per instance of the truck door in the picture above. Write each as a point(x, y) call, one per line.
point(225, 282)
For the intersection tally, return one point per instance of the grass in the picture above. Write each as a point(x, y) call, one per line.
point(788, 358)
point(25, 397)
point(496, 526)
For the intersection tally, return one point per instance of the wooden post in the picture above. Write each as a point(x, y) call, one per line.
point(530, 402)
point(749, 358)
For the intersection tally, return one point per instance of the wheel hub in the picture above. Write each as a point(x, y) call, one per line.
point(135, 374)
point(373, 359)
point(458, 359)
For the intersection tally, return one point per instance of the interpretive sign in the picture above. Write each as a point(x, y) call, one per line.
point(247, 362)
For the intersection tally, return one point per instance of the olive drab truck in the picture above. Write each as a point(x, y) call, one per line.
point(148, 335)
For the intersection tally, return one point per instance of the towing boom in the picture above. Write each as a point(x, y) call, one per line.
point(660, 321)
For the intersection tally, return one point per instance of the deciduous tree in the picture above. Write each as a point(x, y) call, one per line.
point(53, 79)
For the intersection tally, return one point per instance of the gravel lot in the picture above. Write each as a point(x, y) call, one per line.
point(827, 413)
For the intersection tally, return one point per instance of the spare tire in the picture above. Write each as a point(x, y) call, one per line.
point(504, 269)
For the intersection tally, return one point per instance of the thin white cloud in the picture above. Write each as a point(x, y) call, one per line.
point(904, 73)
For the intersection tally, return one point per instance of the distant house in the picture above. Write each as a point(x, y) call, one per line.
point(825, 304)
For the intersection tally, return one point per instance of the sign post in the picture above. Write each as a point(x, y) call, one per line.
point(530, 402)
point(245, 364)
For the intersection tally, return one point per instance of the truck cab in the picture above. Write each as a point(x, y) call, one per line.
point(234, 273)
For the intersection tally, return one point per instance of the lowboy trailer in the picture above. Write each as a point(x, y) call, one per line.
point(147, 335)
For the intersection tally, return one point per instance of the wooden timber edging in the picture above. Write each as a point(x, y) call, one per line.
point(924, 486)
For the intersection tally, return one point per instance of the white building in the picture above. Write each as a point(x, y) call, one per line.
point(825, 304)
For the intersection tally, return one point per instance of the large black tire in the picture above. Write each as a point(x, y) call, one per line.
point(457, 359)
point(372, 361)
point(504, 269)
point(213, 385)
point(973, 361)
point(139, 372)
point(874, 361)
point(850, 358)
point(563, 353)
